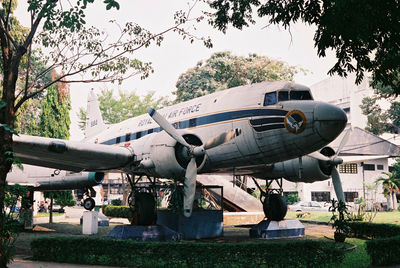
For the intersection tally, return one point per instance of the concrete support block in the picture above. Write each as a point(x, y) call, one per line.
point(90, 222)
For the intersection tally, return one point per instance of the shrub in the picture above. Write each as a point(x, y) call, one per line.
point(117, 211)
point(373, 230)
point(292, 198)
point(116, 202)
point(384, 251)
point(103, 251)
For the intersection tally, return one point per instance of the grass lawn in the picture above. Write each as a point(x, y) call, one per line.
point(392, 217)
point(357, 258)
point(47, 214)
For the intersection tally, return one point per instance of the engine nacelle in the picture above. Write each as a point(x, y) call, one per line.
point(71, 182)
point(167, 158)
point(312, 169)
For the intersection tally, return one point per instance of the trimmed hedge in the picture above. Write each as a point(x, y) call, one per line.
point(384, 251)
point(117, 211)
point(104, 251)
point(373, 230)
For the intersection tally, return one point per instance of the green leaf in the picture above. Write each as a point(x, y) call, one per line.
point(2, 104)
point(9, 129)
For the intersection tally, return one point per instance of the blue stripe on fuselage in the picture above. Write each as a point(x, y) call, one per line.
point(205, 120)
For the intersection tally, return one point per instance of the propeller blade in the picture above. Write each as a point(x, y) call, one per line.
point(162, 122)
point(222, 138)
point(319, 156)
point(337, 184)
point(344, 141)
point(189, 187)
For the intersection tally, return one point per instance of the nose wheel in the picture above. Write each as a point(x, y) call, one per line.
point(89, 203)
point(274, 205)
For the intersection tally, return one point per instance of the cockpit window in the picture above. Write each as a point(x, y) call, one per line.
point(270, 98)
point(283, 95)
point(300, 95)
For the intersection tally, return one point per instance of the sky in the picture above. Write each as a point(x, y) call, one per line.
point(175, 55)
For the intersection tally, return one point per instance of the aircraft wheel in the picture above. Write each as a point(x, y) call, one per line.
point(145, 209)
point(275, 207)
point(89, 203)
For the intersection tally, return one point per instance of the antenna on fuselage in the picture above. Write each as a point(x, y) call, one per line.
point(94, 120)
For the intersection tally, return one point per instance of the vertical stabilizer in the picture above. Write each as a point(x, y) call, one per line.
point(94, 121)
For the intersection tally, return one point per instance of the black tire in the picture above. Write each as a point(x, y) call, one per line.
point(145, 207)
point(89, 203)
point(275, 207)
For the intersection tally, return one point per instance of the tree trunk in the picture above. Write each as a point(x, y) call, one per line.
point(51, 210)
point(394, 199)
point(7, 115)
point(389, 202)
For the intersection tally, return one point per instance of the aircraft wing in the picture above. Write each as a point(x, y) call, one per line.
point(348, 159)
point(70, 155)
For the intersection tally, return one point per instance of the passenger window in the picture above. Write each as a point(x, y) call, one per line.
point(192, 122)
point(283, 95)
point(300, 95)
point(128, 137)
point(270, 98)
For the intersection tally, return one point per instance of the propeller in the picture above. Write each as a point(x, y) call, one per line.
point(189, 185)
point(333, 161)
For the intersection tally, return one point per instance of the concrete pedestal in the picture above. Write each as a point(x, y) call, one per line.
point(145, 233)
point(277, 229)
point(90, 222)
point(102, 219)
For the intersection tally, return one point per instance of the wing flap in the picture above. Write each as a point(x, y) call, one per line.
point(70, 155)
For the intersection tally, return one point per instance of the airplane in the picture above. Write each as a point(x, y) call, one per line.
point(265, 130)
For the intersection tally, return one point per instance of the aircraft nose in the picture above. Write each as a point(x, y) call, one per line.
point(329, 120)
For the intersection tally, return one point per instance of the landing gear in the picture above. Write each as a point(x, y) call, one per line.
point(274, 205)
point(89, 203)
point(142, 201)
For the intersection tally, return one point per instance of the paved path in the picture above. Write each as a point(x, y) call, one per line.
point(20, 263)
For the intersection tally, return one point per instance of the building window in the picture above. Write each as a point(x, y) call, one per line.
point(321, 196)
point(350, 196)
point(369, 167)
point(348, 168)
point(391, 169)
point(379, 167)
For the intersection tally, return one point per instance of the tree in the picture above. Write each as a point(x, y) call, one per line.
point(62, 198)
point(379, 120)
point(59, 28)
point(126, 105)
point(224, 70)
point(390, 186)
point(54, 118)
point(364, 34)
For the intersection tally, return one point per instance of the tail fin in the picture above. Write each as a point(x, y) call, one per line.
point(94, 121)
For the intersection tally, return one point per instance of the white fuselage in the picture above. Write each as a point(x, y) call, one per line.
point(269, 132)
